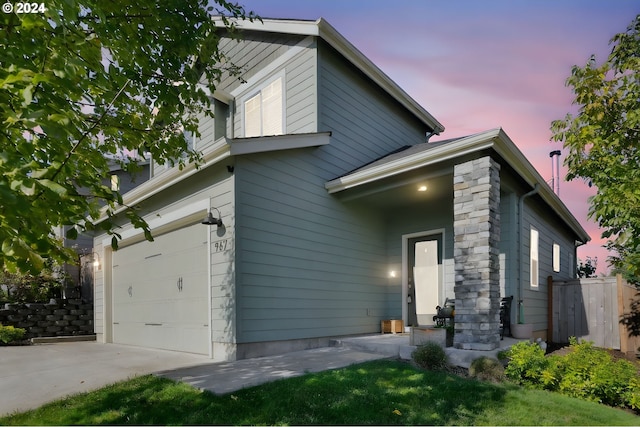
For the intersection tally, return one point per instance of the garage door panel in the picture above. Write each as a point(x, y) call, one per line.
point(160, 292)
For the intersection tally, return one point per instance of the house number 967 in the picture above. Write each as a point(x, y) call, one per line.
point(220, 246)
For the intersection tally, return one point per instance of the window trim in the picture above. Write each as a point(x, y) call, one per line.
point(258, 90)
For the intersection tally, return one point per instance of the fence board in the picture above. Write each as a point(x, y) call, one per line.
point(587, 309)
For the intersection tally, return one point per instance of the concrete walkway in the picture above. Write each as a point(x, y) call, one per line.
point(31, 376)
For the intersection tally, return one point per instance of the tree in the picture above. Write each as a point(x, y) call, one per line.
point(603, 140)
point(587, 269)
point(88, 82)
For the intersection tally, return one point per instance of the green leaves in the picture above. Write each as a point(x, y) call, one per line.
point(80, 89)
point(602, 140)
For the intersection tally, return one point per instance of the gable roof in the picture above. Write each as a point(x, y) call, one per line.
point(430, 153)
point(321, 28)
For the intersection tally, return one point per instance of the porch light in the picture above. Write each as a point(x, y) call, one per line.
point(211, 220)
point(422, 188)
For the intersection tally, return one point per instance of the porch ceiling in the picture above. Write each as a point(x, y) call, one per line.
point(404, 190)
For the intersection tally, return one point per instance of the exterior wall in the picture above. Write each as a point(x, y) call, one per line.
point(509, 248)
point(418, 219)
point(551, 230)
point(308, 266)
point(364, 122)
point(263, 57)
point(216, 185)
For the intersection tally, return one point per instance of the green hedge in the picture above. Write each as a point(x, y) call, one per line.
point(586, 372)
point(9, 334)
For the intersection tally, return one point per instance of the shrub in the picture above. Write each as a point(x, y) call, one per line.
point(527, 364)
point(590, 373)
point(21, 288)
point(487, 369)
point(586, 372)
point(430, 356)
point(9, 334)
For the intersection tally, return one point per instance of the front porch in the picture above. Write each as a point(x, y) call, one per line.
point(397, 346)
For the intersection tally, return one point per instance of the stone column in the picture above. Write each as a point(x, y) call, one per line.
point(476, 228)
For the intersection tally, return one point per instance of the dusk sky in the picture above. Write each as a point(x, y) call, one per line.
point(482, 64)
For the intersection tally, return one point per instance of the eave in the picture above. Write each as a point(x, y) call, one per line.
point(495, 139)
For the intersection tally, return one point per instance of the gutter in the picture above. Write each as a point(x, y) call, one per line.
point(535, 190)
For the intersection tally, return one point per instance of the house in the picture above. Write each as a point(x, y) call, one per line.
point(336, 212)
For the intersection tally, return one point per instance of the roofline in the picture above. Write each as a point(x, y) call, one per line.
point(495, 139)
point(321, 28)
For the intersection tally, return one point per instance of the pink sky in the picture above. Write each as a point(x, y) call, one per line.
point(477, 65)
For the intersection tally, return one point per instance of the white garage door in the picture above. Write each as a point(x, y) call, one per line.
point(160, 292)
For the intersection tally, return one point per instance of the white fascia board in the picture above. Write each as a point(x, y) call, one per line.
point(133, 235)
point(214, 154)
point(506, 148)
point(285, 26)
point(262, 144)
point(435, 155)
point(321, 28)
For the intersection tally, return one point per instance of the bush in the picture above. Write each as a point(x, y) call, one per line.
point(430, 356)
point(586, 372)
point(22, 288)
point(9, 334)
point(487, 369)
point(527, 364)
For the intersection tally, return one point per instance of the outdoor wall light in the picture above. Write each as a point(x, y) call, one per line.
point(422, 188)
point(95, 259)
point(211, 220)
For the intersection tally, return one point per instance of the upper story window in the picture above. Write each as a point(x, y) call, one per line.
point(115, 183)
point(263, 111)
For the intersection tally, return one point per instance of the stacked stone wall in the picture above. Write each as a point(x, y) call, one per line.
point(57, 318)
point(476, 253)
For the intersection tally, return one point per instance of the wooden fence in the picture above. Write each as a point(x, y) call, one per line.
point(591, 309)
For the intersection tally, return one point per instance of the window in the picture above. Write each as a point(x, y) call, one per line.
point(556, 258)
point(263, 111)
point(115, 182)
point(533, 257)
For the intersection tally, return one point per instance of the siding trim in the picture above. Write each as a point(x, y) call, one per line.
point(241, 146)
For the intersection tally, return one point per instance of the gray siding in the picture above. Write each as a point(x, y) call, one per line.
point(308, 266)
point(251, 52)
point(551, 230)
point(217, 185)
point(366, 124)
point(419, 219)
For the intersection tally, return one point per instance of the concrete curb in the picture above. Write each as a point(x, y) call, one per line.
point(52, 340)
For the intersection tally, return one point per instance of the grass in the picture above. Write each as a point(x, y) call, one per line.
point(381, 392)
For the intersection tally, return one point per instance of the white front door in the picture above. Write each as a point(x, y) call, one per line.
point(425, 278)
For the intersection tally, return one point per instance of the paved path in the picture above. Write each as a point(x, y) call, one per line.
point(33, 375)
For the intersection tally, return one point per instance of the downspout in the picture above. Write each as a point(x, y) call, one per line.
point(535, 190)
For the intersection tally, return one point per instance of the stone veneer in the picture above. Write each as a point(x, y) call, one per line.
point(57, 318)
point(476, 228)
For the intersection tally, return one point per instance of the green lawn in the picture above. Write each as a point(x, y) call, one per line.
point(381, 392)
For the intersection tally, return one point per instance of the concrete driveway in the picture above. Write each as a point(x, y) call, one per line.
point(33, 375)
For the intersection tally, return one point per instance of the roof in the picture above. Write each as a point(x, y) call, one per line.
point(321, 28)
point(430, 153)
